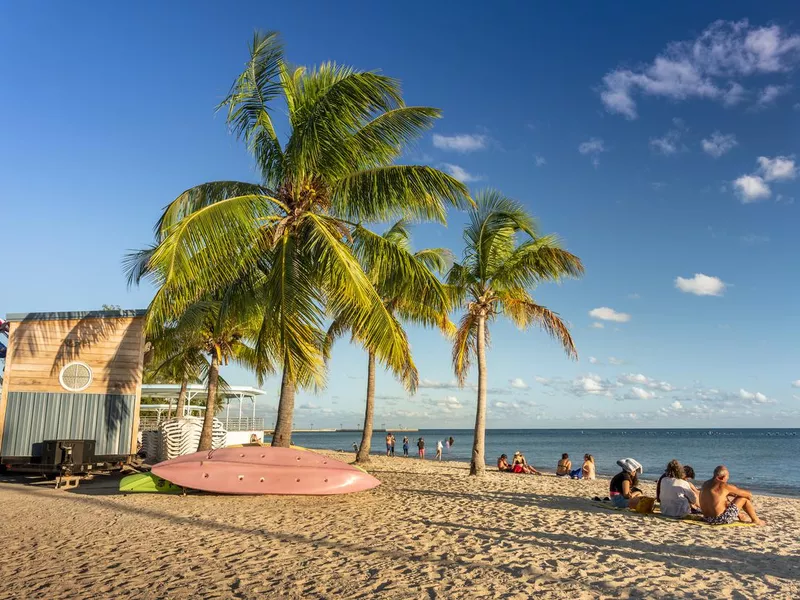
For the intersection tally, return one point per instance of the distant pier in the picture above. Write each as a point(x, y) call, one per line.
point(399, 430)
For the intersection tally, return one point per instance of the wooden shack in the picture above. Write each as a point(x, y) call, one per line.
point(72, 376)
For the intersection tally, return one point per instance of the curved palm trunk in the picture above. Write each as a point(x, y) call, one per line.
point(282, 436)
point(369, 413)
point(208, 420)
point(478, 464)
point(179, 409)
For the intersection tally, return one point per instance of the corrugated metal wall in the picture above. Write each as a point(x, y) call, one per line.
point(32, 417)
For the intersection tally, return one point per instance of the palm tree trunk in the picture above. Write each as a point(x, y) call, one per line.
point(478, 464)
point(208, 420)
point(282, 436)
point(369, 413)
point(182, 397)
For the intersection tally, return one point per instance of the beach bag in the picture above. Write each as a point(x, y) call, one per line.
point(630, 465)
point(645, 505)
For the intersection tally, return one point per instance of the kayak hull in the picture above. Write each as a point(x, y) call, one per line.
point(254, 470)
point(148, 483)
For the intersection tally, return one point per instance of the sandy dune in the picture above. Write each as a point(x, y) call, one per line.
point(428, 532)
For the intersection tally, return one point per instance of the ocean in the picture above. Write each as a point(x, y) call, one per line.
point(763, 460)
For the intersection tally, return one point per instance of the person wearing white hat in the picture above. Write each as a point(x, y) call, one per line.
point(622, 489)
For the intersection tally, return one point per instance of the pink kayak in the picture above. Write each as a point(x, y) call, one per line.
point(264, 470)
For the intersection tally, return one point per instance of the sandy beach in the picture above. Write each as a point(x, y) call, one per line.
point(429, 531)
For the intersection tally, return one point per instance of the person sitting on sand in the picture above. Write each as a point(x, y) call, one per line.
point(564, 466)
point(722, 502)
point(677, 495)
point(688, 474)
point(588, 470)
point(502, 463)
point(622, 489)
point(520, 465)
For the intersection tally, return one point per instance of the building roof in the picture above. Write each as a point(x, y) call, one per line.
point(169, 390)
point(72, 315)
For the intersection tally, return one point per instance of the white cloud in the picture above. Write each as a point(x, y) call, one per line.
point(592, 146)
point(701, 285)
point(591, 385)
point(542, 380)
point(597, 325)
point(751, 239)
point(796, 383)
point(770, 93)
point(612, 360)
point(780, 168)
point(706, 67)
point(593, 360)
point(460, 173)
point(668, 144)
point(308, 406)
point(540, 161)
point(676, 405)
point(518, 384)
point(755, 397)
point(460, 143)
point(751, 188)
point(609, 314)
point(718, 144)
point(639, 379)
point(638, 393)
point(438, 385)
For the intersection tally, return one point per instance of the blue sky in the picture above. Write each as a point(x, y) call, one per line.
point(659, 144)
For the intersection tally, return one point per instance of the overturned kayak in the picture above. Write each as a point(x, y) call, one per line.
point(148, 483)
point(265, 470)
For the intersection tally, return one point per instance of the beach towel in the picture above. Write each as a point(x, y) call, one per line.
point(690, 519)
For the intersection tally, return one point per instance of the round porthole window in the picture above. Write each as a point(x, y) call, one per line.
point(75, 377)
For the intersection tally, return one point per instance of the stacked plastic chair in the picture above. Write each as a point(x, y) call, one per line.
point(151, 444)
point(182, 436)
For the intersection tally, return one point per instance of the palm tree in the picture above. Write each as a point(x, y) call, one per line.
point(291, 235)
point(176, 358)
point(495, 278)
point(220, 328)
point(408, 287)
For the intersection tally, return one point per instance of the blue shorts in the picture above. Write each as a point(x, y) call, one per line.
point(619, 501)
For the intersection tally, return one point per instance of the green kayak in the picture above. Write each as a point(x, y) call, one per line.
point(148, 483)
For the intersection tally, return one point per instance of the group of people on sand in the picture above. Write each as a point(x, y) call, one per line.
point(564, 468)
point(391, 440)
point(719, 501)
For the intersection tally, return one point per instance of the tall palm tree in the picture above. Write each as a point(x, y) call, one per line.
point(292, 233)
point(408, 287)
point(495, 277)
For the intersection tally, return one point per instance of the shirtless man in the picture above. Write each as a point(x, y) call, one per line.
point(388, 444)
point(721, 501)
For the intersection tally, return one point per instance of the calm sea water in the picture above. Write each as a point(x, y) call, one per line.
point(760, 459)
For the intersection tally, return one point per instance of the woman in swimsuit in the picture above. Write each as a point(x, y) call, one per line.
point(588, 470)
point(564, 466)
point(520, 465)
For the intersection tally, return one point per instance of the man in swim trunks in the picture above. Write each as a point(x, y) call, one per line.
point(722, 502)
point(388, 444)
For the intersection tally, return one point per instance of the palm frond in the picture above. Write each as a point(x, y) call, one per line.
point(464, 346)
point(201, 196)
point(136, 265)
point(535, 261)
point(385, 193)
point(248, 104)
point(524, 312)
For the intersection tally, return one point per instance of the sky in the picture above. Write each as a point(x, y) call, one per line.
point(659, 142)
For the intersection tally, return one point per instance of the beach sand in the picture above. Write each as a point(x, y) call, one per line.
point(429, 531)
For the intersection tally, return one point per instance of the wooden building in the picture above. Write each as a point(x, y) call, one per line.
point(72, 376)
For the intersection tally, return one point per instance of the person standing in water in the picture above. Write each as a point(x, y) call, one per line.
point(405, 446)
point(394, 440)
point(452, 441)
point(421, 448)
point(439, 448)
point(388, 444)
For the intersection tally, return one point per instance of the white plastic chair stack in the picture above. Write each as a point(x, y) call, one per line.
point(151, 444)
point(182, 436)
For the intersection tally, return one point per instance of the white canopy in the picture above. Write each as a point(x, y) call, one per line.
point(170, 392)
